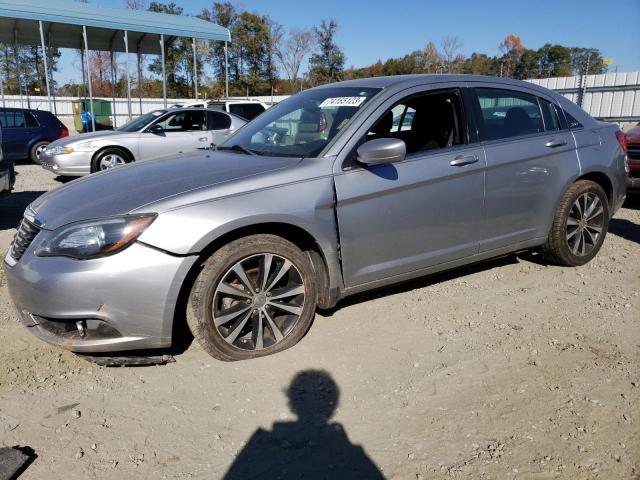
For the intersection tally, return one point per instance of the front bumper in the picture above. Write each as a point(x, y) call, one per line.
point(123, 302)
point(73, 164)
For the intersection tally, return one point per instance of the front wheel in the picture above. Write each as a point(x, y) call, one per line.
point(36, 151)
point(108, 159)
point(255, 296)
point(579, 226)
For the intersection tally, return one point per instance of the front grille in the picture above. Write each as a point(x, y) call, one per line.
point(24, 236)
point(633, 151)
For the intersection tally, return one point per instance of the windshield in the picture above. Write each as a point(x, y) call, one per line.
point(302, 125)
point(140, 122)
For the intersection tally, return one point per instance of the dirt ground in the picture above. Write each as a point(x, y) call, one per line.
point(509, 369)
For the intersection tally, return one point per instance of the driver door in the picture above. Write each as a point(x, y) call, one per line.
point(426, 210)
point(183, 131)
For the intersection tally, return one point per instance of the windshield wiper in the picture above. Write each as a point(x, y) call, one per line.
point(239, 148)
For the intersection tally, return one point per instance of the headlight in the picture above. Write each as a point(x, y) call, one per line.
point(59, 150)
point(96, 238)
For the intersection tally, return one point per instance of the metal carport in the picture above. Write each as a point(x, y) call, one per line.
point(71, 24)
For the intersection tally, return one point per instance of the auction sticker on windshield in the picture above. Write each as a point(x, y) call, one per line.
point(343, 102)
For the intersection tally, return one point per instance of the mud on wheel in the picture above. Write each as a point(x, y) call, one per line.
point(579, 226)
point(255, 296)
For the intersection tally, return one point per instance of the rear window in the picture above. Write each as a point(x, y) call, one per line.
point(507, 113)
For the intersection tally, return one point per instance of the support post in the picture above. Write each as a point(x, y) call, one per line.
point(86, 59)
point(126, 68)
point(113, 87)
point(2, 88)
point(53, 93)
point(195, 70)
point(44, 60)
point(226, 69)
point(164, 72)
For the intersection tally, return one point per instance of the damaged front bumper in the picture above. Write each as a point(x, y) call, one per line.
point(112, 304)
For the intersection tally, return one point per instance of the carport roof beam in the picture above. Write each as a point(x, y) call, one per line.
point(65, 19)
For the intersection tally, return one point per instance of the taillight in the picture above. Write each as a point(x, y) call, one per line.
point(622, 140)
point(323, 122)
point(64, 132)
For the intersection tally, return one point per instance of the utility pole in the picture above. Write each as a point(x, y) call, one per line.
point(583, 80)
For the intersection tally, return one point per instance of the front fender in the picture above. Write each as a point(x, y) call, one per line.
point(308, 205)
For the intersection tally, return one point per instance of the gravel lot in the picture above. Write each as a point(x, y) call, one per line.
point(509, 369)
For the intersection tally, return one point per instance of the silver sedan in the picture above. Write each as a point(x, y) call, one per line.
point(156, 134)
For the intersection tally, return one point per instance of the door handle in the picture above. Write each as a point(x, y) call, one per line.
point(553, 143)
point(462, 160)
point(203, 139)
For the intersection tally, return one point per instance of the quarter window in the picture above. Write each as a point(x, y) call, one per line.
point(30, 120)
point(506, 113)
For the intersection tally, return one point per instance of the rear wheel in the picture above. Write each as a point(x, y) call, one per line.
point(580, 225)
point(108, 159)
point(255, 296)
point(36, 151)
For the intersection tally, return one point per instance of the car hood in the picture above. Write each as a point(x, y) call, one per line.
point(82, 137)
point(127, 188)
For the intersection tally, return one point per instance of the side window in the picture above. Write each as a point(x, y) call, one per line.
point(12, 119)
point(236, 109)
point(507, 113)
point(218, 121)
point(571, 121)
point(195, 121)
point(424, 122)
point(549, 115)
point(173, 122)
point(30, 120)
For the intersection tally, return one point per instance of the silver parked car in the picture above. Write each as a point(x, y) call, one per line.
point(153, 135)
point(320, 197)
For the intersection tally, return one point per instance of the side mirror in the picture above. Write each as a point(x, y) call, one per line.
point(382, 150)
point(157, 129)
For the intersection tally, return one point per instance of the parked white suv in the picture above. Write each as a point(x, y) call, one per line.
point(248, 109)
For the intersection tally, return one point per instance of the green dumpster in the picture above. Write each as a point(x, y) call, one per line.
point(82, 115)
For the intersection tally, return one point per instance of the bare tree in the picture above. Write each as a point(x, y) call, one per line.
point(292, 51)
point(450, 56)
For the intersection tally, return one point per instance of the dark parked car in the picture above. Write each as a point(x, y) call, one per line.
point(26, 132)
point(632, 140)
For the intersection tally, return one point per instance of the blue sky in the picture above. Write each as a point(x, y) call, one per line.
point(375, 29)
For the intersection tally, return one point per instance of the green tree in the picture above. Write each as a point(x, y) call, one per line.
point(327, 64)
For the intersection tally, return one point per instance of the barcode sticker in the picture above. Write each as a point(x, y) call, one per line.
point(343, 102)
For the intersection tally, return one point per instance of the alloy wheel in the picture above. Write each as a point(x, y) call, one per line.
point(585, 223)
point(258, 301)
point(39, 151)
point(111, 160)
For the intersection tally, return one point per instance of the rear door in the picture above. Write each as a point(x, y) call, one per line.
point(530, 158)
point(399, 218)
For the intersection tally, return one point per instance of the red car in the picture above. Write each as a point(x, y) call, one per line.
point(633, 154)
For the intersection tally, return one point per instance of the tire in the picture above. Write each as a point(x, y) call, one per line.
point(115, 156)
point(219, 296)
point(579, 226)
point(36, 149)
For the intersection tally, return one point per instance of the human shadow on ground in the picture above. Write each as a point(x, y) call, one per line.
point(310, 447)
